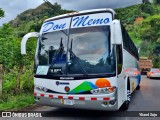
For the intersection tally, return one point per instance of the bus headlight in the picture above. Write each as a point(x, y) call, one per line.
point(40, 88)
point(105, 90)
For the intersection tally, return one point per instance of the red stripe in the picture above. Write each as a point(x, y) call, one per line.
point(70, 97)
point(51, 96)
point(81, 98)
point(60, 97)
point(93, 98)
point(106, 99)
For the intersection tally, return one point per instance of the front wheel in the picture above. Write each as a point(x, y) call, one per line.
point(125, 105)
point(138, 87)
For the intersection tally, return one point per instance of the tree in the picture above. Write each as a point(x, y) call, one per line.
point(1, 13)
point(10, 55)
point(156, 1)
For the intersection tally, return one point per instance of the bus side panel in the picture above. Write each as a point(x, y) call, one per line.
point(121, 89)
point(130, 61)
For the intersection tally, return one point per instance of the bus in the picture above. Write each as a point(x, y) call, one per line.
point(82, 60)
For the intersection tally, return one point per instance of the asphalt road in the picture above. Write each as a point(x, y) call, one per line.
point(146, 99)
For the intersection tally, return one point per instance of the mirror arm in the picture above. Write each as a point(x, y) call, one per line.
point(25, 39)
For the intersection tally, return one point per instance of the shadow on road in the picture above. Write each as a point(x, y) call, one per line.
point(154, 78)
point(68, 112)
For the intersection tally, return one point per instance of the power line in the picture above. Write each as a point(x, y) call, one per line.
point(49, 4)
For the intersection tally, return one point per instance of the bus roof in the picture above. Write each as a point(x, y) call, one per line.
point(82, 12)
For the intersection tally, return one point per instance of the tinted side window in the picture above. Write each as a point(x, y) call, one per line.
point(119, 58)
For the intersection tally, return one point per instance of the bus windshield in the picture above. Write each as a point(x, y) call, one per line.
point(78, 51)
point(91, 46)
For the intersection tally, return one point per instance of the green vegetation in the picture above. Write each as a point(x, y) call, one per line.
point(141, 21)
point(18, 69)
point(17, 102)
point(17, 74)
point(1, 13)
point(156, 1)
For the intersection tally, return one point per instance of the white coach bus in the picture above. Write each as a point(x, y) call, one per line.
point(81, 61)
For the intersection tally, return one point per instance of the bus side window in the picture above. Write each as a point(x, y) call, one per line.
point(119, 58)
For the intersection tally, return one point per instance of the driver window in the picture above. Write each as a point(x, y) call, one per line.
point(119, 58)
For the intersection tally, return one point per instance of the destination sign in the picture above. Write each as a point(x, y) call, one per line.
point(91, 20)
point(88, 20)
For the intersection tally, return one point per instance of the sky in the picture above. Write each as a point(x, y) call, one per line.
point(14, 7)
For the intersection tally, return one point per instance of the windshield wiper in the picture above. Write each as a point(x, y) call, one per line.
point(58, 53)
point(61, 48)
point(77, 61)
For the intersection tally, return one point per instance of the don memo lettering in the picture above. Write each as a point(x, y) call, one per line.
point(86, 21)
point(52, 26)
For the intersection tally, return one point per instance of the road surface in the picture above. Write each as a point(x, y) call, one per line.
point(145, 99)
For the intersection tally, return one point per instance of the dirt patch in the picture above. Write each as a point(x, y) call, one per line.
point(29, 108)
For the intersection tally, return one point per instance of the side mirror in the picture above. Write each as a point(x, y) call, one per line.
point(24, 41)
point(116, 32)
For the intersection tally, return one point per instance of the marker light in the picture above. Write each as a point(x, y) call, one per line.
point(105, 90)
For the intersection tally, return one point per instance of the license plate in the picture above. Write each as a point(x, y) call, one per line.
point(67, 102)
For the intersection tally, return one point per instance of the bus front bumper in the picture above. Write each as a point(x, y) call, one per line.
point(93, 102)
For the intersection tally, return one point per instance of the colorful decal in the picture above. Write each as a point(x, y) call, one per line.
point(134, 73)
point(102, 82)
point(85, 86)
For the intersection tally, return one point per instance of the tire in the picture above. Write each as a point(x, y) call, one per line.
point(138, 87)
point(125, 105)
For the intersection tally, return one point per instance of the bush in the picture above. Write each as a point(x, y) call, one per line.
point(9, 83)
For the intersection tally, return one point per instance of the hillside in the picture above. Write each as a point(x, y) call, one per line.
point(134, 17)
point(141, 21)
point(31, 20)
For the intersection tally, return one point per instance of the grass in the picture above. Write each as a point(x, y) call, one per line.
point(17, 102)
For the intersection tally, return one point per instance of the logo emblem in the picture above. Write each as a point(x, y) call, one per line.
point(62, 83)
point(57, 83)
